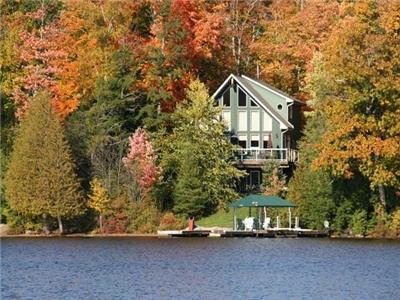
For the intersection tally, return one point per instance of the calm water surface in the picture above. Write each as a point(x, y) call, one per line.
point(151, 268)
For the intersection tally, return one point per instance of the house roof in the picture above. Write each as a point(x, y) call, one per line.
point(245, 83)
point(273, 89)
point(256, 200)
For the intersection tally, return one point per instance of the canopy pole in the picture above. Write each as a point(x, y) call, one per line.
point(249, 211)
point(234, 219)
point(290, 218)
point(265, 218)
point(259, 218)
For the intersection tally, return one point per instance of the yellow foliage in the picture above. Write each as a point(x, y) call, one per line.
point(98, 199)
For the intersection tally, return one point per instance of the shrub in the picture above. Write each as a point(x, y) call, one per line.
point(171, 222)
point(394, 226)
point(359, 222)
point(144, 217)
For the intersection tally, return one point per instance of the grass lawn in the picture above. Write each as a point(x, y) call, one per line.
point(223, 218)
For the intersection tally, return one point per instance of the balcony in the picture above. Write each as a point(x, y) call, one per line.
point(258, 157)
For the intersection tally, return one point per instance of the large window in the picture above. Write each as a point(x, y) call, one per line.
point(242, 98)
point(255, 121)
point(266, 142)
point(255, 141)
point(226, 99)
point(226, 118)
point(267, 122)
point(243, 141)
point(242, 119)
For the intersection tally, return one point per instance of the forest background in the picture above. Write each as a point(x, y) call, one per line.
point(107, 123)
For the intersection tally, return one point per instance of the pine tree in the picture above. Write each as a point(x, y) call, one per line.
point(40, 180)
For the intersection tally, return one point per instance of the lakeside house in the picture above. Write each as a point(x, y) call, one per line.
point(264, 123)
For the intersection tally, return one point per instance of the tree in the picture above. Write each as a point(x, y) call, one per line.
point(99, 199)
point(200, 154)
point(141, 160)
point(274, 180)
point(292, 33)
point(363, 58)
point(40, 179)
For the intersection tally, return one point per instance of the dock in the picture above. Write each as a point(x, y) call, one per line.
point(269, 233)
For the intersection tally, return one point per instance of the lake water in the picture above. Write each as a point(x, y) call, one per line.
point(152, 268)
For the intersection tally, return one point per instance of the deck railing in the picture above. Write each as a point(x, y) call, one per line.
point(262, 154)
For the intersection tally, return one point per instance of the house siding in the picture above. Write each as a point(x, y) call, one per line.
point(234, 113)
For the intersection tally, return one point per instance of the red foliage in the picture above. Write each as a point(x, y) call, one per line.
point(141, 160)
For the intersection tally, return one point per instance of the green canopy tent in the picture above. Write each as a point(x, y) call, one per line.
point(261, 201)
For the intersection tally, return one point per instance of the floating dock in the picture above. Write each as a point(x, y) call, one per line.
point(272, 233)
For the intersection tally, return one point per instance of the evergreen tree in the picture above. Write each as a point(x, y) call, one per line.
point(40, 180)
point(201, 154)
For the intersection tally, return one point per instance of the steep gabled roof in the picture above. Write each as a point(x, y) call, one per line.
point(245, 85)
point(262, 102)
point(273, 89)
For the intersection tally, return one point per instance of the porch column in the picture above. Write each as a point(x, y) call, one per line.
point(290, 218)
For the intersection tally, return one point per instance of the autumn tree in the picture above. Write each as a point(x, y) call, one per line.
point(99, 199)
point(362, 56)
point(292, 33)
point(141, 160)
point(40, 180)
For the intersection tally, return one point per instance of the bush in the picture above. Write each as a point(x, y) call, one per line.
point(343, 216)
point(359, 222)
point(394, 227)
point(144, 217)
point(171, 222)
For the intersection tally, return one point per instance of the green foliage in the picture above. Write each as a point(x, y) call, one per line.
point(273, 182)
point(40, 179)
point(343, 216)
point(142, 20)
point(359, 223)
point(201, 155)
point(144, 217)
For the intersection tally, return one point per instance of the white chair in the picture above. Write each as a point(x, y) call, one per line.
point(267, 223)
point(248, 223)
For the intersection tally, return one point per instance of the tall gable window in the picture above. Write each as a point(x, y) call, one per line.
point(242, 98)
point(226, 99)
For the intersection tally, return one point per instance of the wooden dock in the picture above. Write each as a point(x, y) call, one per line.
point(271, 233)
point(276, 233)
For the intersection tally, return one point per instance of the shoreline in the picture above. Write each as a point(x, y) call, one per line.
point(155, 235)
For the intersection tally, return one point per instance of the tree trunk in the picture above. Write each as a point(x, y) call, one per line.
point(101, 222)
point(45, 224)
point(60, 225)
point(382, 196)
